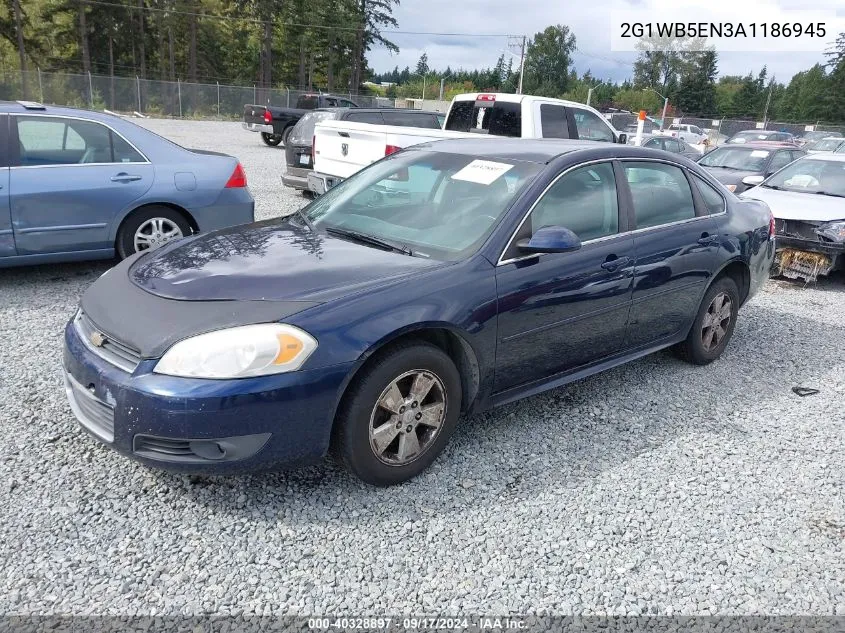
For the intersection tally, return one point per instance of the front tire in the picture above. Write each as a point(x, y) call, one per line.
point(150, 228)
point(271, 139)
point(713, 325)
point(398, 414)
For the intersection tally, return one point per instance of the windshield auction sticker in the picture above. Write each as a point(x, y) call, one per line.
point(483, 172)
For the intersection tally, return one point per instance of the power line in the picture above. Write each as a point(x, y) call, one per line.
point(296, 24)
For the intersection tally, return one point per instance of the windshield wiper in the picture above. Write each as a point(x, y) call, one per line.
point(775, 187)
point(364, 238)
point(829, 193)
point(305, 219)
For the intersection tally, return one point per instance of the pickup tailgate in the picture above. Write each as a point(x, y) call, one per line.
point(254, 114)
point(343, 148)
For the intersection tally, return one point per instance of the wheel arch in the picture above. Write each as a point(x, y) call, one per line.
point(444, 336)
point(739, 271)
point(146, 205)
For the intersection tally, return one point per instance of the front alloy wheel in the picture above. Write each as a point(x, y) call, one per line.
point(398, 413)
point(407, 417)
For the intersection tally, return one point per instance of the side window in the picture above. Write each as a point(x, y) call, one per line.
point(660, 192)
point(56, 141)
point(410, 119)
point(696, 130)
point(347, 104)
point(780, 160)
point(672, 145)
point(654, 143)
point(553, 121)
point(583, 200)
point(712, 199)
point(124, 152)
point(591, 127)
point(365, 117)
point(331, 102)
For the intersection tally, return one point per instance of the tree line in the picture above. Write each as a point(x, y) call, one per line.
point(311, 44)
point(688, 77)
point(293, 43)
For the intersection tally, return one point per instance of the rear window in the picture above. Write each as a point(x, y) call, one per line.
point(499, 118)
point(365, 117)
point(303, 131)
point(411, 119)
point(308, 102)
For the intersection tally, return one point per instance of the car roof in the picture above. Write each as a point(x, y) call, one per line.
point(763, 145)
point(540, 151)
point(31, 107)
point(839, 158)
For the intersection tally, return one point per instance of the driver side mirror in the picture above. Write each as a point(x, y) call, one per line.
point(550, 239)
point(753, 181)
point(622, 138)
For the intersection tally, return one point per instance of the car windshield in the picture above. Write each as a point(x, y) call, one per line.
point(811, 176)
point(747, 137)
point(826, 145)
point(303, 131)
point(736, 158)
point(435, 204)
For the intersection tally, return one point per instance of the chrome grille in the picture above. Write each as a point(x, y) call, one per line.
point(112, 351)
point(92, 413)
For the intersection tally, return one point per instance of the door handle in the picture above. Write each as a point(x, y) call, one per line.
point(123, 177)
point(706, 239)
point(613, 263)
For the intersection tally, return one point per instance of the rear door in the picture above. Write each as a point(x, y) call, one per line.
point(676, 242)
point(7, 236)
point(70, 178)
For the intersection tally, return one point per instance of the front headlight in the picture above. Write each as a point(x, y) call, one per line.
point(239, 352)
point(834, 231)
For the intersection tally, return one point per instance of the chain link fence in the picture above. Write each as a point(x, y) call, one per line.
point(153, 97)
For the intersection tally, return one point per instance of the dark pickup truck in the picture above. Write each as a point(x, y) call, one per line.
point(275, 123)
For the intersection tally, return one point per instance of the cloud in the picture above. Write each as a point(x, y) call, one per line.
point(590, 22)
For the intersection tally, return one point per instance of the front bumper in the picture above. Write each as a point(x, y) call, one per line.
point(321, 183)
point(203, 426)
point(807, 259)
point(257, 127)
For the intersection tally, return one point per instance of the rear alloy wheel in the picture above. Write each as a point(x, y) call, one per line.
point(271, 139)
point(399, 414)
point(150, 228)
point(714, 324)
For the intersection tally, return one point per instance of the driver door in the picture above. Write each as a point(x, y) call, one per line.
point(562, 311)
point(70, 179)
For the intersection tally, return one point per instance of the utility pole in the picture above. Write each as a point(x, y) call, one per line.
point(589, 95)
point(521, 65)
point(663, 117)
point(768, 100)
point(442, 79)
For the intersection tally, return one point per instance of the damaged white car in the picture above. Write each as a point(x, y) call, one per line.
point(807, 198)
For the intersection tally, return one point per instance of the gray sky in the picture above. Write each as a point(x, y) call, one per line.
point(590, 22)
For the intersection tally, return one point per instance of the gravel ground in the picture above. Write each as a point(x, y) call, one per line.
point(652, 488)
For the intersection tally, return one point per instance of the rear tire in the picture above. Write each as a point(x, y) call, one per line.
point(271, 139)
point(713, 326)
point(286, 135)
point(141, 227)
point(398, 414)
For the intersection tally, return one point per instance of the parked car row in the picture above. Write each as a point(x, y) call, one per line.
point(458, 270)
point(276, 123)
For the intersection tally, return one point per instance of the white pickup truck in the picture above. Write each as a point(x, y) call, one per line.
point(341, 148)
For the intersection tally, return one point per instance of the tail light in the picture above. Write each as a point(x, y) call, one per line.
point(237, 179)
point(771, 225)
point(486, 97)
point(268, 118)
point(391, 149)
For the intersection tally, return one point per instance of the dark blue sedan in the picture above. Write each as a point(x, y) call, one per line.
point(448, 278)
point(76, 185)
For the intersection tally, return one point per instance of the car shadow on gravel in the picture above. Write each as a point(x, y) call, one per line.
point(562, 439)
point(46, 274)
